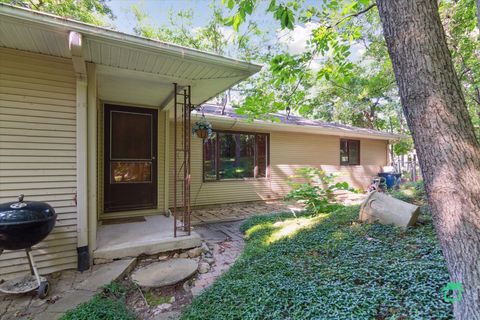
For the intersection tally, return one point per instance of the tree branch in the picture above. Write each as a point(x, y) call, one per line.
point(353, 15)
point(348, 16)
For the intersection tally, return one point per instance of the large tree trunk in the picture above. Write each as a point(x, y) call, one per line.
point(444, 137)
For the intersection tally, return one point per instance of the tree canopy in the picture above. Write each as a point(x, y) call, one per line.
point(90, 11)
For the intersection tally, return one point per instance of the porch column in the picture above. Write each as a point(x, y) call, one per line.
point(92, 157)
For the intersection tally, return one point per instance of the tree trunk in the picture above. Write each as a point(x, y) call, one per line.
point(448, 151)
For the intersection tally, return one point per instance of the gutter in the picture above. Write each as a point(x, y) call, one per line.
point(235, 123)
point(103, 33)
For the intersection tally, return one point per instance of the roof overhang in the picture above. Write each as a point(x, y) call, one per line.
point(121, 55)
point(227, 123)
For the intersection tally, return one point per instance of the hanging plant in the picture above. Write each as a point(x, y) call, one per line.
point(202, 128)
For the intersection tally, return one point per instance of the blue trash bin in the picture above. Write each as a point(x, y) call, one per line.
point(390, 178)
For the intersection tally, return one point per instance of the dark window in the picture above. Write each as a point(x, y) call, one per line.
point(349, 152)
point(235, 155)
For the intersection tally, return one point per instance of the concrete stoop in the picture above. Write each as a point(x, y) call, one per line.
point(153, 236)
point(152, 246)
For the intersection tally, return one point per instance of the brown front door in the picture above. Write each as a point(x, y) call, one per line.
point(130, 179)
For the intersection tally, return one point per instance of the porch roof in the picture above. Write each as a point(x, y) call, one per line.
point(124, 55)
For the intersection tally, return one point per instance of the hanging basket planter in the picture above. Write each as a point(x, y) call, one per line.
point(202, 128)
point(202, 133)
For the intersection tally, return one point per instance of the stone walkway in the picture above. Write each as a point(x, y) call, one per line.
point(67, 290)
point(239, 211)
point(227, 244)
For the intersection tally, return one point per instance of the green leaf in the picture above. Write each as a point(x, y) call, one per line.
point(237, 20)
point(271, 6)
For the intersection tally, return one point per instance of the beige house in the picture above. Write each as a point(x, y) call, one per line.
point(87, 118)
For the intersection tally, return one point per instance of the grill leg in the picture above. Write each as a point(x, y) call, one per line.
point(33, 268)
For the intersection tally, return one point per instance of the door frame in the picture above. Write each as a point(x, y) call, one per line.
point(161, 147)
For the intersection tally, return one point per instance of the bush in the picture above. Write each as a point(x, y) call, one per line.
point(316, 189)
point(413, 192)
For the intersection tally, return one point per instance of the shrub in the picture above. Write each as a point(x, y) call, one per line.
point(316, 189)
point(413, 192)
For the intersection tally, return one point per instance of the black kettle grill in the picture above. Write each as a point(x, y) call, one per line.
point(23, 224)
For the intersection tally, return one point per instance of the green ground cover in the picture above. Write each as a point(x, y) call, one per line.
point(107, 305)
point(328, 266)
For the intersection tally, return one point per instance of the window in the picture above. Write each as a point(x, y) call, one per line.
point(235, 155)
point(349, 152)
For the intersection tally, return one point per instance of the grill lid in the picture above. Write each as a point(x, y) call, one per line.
point(25, 212)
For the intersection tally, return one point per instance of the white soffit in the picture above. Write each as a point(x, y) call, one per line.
point(207, 73)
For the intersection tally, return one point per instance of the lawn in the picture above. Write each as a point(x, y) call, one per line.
point(328, 266)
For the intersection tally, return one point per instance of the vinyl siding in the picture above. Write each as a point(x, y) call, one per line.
point(37, 151)
point(288, 151)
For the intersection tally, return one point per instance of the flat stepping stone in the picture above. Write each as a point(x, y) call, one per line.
point(103, 274)
point(164, 273)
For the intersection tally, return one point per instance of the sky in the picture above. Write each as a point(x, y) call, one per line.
point(158, 11)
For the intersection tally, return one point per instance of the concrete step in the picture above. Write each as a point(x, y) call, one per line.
point(136, 247)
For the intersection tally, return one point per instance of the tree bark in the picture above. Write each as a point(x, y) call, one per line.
point(448, 151)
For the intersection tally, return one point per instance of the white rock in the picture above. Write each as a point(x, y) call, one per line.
point(203, 267)
point(163, 307)
point(184, 255)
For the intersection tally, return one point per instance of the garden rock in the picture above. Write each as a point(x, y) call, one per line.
point(203, 267)
point(164, 273)
point(210, 261)
point(205, 248)
point(195, 252)
point(187, 287)
point(163, 307)
point(384, 209)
